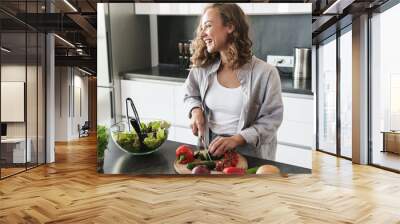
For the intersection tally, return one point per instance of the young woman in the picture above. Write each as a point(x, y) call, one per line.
point(232, 97)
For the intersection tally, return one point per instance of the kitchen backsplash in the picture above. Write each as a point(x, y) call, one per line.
point(271, 34)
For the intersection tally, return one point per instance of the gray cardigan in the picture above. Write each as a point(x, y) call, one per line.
point(262, 110)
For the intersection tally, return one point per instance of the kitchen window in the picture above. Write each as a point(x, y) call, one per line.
point(385, 89)
point(327, 96)
point(334, 60)
point(345, 61)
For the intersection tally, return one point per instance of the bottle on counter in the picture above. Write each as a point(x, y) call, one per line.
point(180, 56)
point(186, 57)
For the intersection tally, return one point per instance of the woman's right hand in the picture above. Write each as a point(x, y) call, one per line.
point(197, 122)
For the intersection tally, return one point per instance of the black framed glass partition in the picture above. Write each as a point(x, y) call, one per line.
point(345, 91)
point(326, 94)
point(22, 77)
point(385, 88)
point(334, 94)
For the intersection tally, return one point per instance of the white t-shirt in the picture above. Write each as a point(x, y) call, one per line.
point(225, 106)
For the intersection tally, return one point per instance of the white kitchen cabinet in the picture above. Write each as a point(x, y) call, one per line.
point(146, 8)
point(294, 156)
point(298, 133)
point(297, 127)
point(181, 115)
point(298, 109)
point(153, 100)
point(184, 135)
point(105, 105)
point(160, 100)
point(281, 8)
point(164, 100)
point(169, 8)
point(197, 8)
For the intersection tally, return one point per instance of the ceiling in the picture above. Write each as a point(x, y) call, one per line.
point(331, 15)
point(72, 20)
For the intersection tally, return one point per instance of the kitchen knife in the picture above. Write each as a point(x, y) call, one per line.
point(205, 147)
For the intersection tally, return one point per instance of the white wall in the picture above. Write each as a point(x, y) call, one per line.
point(68, 82)
point(33, 127)
point(15, 72)
point(61, 103)
point(80, 82)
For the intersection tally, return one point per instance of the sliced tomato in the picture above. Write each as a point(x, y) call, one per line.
point(234, 170)
point(219, 165)
point(231, 158)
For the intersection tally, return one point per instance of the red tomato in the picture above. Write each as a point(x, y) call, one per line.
point(231, 158)
point(219, 165)
point(234, 170)
point(184, 154)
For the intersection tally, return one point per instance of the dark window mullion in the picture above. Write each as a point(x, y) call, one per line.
point(317, 95)
point(338, 92)
point(369, 91)
point(0, 95)
point(26, 86)
point(37, 91)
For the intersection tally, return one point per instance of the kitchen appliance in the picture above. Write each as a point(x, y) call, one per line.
point(302, 63)
point(300, 83)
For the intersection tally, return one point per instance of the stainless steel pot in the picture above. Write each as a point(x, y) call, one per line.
point(302, 63)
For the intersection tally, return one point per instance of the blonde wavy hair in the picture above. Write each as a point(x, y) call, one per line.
point(239, 50)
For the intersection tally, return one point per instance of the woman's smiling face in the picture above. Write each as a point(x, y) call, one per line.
point(214, 33)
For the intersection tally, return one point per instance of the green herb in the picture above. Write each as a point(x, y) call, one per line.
point(209, 164)
point(155, 133)
point(102, 140)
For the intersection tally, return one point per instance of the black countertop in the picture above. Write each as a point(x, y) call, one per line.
point(172, 73)
point(117, 161)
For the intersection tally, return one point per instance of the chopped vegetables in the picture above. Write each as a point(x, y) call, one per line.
point(209, 164)
point(252, 170)
point(184, 154)
point(219, 166)
point(201, 170)
point(268, 169)
point(234, 170)
point(231, 158)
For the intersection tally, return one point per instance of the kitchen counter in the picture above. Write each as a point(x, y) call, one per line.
point(171, 73)
point(162, 162)
point(162, 73)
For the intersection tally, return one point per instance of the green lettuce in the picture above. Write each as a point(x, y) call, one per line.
point(154, 132)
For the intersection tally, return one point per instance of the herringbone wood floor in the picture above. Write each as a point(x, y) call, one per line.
point(70, 191)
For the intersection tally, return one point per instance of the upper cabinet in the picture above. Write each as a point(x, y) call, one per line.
point(197, 8)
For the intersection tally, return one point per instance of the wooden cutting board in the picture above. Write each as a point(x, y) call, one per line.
point(181, 168)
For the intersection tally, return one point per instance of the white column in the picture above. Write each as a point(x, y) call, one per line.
point(360, 90)
point(50, 100)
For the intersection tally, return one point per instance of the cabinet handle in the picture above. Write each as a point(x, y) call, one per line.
point(111, 105)
point(109, 57)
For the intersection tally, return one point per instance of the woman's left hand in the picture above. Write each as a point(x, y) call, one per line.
point(222, 144)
